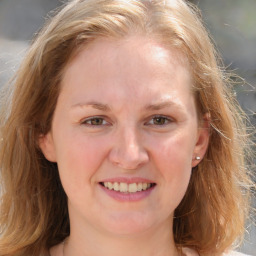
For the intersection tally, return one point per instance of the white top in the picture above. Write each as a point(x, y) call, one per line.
point(190, 252)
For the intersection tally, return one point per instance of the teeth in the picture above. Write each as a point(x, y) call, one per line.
point(116, 186)
point(110, 185)
point(123, 187)
point(133, 188)
point(127, 188)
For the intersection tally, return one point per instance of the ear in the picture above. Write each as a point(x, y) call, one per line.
point(46, 144)
point(202, 140)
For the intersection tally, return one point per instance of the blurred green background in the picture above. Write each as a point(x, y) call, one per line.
point(232, 24)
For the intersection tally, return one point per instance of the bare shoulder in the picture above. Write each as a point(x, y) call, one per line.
point(233, 253)
point(57, 250)
point(190, 252)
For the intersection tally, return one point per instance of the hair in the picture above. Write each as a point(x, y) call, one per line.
point(33, 213)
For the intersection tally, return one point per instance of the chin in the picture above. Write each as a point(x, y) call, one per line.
point(128, 224)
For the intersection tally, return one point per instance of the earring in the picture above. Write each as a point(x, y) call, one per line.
point(198, 157)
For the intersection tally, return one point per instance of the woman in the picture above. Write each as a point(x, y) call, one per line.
point(122, 138)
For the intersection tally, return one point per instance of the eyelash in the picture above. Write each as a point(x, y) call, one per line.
point(91, 119)
point(165, 121)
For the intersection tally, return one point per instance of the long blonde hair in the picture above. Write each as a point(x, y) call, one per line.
point(34, 214)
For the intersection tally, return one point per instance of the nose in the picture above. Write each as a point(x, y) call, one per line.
point(127, 151)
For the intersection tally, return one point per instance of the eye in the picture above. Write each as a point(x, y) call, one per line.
point(94, 121)
point(160, 120)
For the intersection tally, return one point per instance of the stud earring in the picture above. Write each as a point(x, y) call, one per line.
point(198, 157)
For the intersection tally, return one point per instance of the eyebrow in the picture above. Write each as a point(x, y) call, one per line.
point(95, 105)
point(159, 106)
point(105, 107)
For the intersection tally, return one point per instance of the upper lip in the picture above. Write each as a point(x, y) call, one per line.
point(129, 180)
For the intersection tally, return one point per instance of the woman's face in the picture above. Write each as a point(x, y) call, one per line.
point(125, 135)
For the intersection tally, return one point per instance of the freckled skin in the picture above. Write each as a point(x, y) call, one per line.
point(127, 76)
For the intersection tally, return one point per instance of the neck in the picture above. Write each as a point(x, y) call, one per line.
point(155, 242)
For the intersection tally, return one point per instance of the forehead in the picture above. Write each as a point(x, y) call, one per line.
point(130, 53)
point(134, 67)
point(127, 73)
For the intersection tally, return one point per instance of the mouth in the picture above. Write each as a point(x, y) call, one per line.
point(127, 187)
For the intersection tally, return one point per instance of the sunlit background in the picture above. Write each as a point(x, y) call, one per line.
point(232, 24)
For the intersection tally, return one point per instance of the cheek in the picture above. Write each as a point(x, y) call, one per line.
point(78, 160)
point(174, 150)
point(172, 159)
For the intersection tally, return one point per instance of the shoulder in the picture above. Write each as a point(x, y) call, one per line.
point(190, 252)
point(56, 250)
point(233, 253)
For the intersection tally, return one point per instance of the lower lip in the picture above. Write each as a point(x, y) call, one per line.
point(128, 197)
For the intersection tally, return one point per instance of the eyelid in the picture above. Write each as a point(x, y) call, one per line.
point(88, 119)
point(168, 118)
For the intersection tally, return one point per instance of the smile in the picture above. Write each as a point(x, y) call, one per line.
point(127, 187)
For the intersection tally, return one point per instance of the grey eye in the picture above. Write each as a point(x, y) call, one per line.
point(160, 120)
point(96, 121)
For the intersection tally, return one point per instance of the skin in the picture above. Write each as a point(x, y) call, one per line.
point(145, 125)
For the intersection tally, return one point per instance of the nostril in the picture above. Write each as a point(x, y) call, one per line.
point(128, 153)
point(129, 162)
